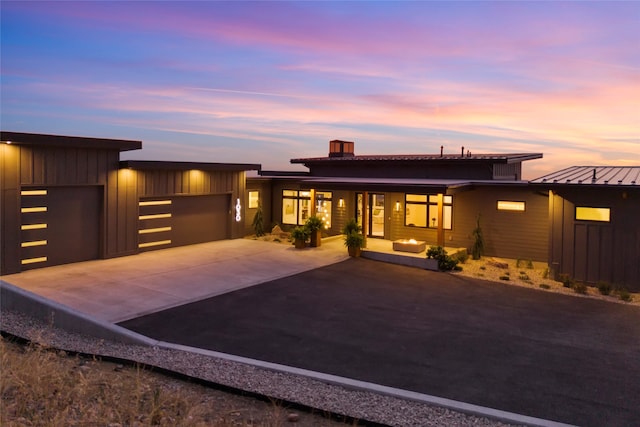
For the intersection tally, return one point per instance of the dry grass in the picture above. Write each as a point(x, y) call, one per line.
point(45, 387)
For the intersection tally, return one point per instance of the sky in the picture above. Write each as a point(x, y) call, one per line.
point(265, 82)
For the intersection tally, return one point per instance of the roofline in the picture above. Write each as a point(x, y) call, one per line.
point(162, 165)
point(21, 138)
point(447, 158)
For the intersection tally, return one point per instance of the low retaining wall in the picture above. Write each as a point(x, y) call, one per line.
point(58, 315)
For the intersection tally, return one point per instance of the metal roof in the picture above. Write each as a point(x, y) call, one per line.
point(495, 158)
point(21, 138)
point(593, 175)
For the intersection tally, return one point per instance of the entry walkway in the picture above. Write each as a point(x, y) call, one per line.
point(123, 288)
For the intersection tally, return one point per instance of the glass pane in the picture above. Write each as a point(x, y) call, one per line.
point(415, 215)
point(416, 198)
point(377, 215)
point(293, 193)
point(254, 198)
point(593, 214)
point(433, 216)
point(433, 199)
point(447, 220)
point(324, 212)
point(507, 205)
point(303, 211)
point(448, 200)
point(289, 211)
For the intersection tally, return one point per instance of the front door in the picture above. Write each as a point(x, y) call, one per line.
point(374, 211)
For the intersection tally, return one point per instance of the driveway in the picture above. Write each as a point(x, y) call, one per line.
point(557, 357)
point(117, 289)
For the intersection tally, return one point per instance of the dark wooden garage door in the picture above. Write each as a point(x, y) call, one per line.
point(199, 219)
point(68, 226)
point(183, 220)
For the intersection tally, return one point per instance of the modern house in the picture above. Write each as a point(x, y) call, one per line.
point(67, 199)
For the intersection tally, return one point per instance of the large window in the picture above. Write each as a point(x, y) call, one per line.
point(421, 210)
point(584, 213)
point(295, 207)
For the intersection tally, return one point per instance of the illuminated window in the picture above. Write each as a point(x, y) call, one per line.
point(508, 205)
point(254, 199)
point(421, 210)
point(593, 214)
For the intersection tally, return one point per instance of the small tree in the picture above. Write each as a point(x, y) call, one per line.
point(258, 222)
point(477, 250)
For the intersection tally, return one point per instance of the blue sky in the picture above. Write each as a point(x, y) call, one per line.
point(264, 82)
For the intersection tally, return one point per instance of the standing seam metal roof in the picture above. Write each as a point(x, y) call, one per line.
point(593, 175)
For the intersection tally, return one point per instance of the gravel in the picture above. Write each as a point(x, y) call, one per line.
point(357, 404)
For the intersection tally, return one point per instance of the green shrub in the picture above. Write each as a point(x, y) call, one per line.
point(604, 288)
point(300, 233)
point(313, 223)
point(258, 222)
point(580, 288)
point(445, 262)
point(462, 257)
point(477, 250)
point(567, 281)
point(351, 226)
point(624, 295)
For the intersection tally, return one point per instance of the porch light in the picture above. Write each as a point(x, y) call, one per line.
point(397, 205)
point(341, 203)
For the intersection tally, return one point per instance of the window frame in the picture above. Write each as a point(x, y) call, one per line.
point(255, 199)
point(431, 201)
point(524, 206)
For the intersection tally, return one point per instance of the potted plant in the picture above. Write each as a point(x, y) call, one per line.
point(299, 235)
point(314, 227)
point(354, 241)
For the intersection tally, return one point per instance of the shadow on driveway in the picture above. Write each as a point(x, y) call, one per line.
point(535, 353)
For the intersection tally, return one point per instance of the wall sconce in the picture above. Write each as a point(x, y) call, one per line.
point(341, 203)
point(397, 206)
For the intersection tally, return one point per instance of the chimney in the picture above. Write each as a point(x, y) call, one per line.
point(441, 150)
point(462, 154)
point(338, 148)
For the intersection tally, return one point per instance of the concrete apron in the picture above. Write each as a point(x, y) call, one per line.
point(118, 289)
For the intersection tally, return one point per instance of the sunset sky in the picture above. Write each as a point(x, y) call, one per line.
point(269, 81)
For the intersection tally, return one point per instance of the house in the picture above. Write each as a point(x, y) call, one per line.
point(67, 199)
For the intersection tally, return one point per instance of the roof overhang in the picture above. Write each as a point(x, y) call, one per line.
point(426, 159)
point(185, 166)
point(44, 140)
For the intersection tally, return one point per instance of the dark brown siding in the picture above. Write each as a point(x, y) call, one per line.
point(263, 187)
point(10, 208)
point(506, 234)
point(592, 251)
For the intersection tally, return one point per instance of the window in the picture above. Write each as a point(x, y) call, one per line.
point(421, 210)
point(323, 207)
point(584, 213)
point(295, 207)
point(508, 205)
point(254, 199)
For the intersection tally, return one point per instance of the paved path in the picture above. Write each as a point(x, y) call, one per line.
point(122, 288)
point(536, 353)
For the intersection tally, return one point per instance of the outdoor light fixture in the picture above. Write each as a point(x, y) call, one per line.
point(341, 203)
point(397, 205)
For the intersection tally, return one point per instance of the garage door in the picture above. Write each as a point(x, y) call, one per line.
point(60, 225)
point(183, 220)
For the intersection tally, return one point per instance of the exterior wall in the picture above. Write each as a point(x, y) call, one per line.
point(593, 251)
point(506, 234)
point(25, 167)
point(398, 169)
point(265, 199)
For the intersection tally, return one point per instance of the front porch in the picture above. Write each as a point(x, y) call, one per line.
point(382, 250)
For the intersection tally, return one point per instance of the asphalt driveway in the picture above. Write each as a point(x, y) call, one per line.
point(551, 356)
